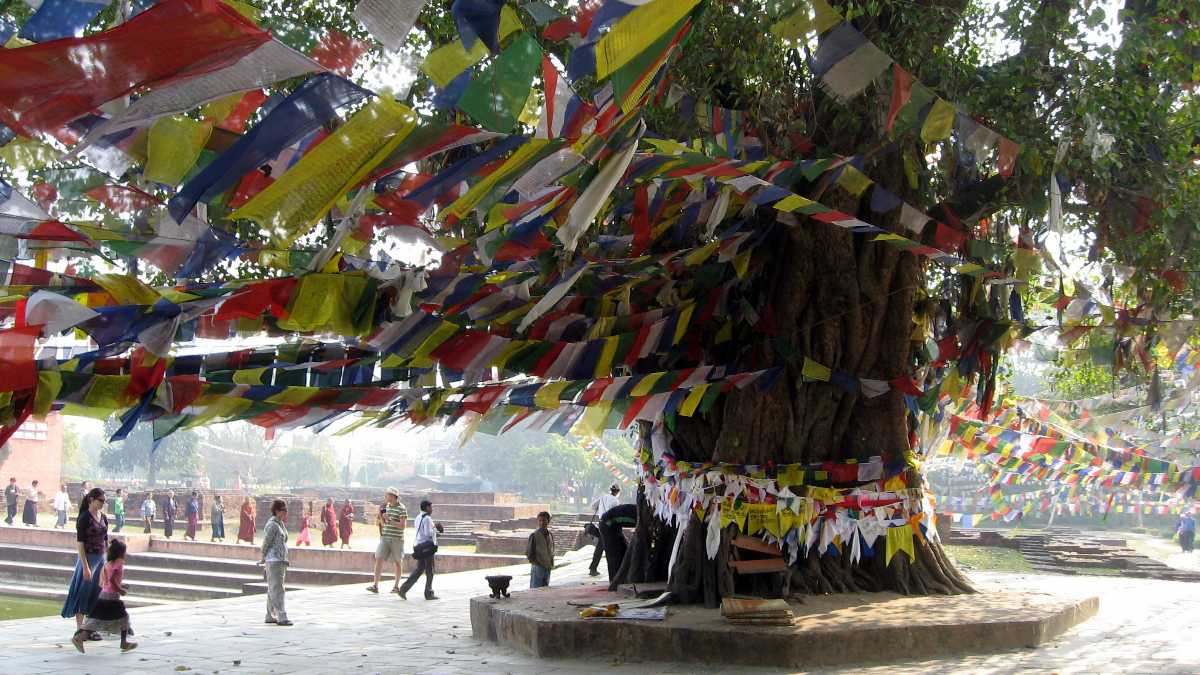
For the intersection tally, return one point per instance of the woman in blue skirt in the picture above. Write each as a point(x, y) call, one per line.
point(91, 537)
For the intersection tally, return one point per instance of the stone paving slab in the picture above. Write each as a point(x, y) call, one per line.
point(1142, 626)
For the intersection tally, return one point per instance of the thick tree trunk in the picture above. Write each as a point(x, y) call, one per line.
point(846, 303)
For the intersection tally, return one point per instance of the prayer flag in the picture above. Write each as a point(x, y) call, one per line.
point(496, 95)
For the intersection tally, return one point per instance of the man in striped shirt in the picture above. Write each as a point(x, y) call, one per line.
point(392, 518)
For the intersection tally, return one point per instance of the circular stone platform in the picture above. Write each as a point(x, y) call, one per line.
point(830, 630)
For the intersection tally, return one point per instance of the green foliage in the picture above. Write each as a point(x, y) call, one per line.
point(304, 466)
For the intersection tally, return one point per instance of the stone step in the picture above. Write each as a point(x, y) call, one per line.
point(58, 593)
point(193, 570)
point(26, 572)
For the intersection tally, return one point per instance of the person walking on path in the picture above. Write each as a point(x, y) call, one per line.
point(118, 507)
point(540, 552)
point(599, 507)
point(1187, 531)
point(246, 523)
point(108, 615)
point(217, 515)
point(170, 509)
point(346, 523)
point(391, 538)
point(424, 550)
point(62, 502)
point(329, 520)
point(12, 493)
point(192, 512)
point(148, 510)
point(305, 536)
point(30, 511)
point(91, 537)
point(275, 562)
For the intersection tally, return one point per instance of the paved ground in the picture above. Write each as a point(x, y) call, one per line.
point(1143, 626)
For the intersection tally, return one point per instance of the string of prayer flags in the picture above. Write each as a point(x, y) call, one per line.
point(268, 64)
point(40, 84)
point(295, 202)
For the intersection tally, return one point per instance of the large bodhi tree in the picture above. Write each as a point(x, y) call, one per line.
point(1041, 72)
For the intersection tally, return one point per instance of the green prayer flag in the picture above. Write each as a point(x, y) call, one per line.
point(496, 96)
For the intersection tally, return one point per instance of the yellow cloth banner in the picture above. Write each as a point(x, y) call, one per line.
point(29, 154)
point(592, 422)
point(604, 364)
point(290, 206)
point(853, 181)
point(820, 18)
point(294, 395)
point(647, 383)
point(939, 123)
point(327, 303)
point(681, 326)
point(463, 205)
point(172, 148)
point(637, 31)
point(899, 539)
point(792, 202)
point(249, 376)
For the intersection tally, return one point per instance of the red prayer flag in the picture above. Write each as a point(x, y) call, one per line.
point(237, 119)
point(902, 82)
point(339, 52)
point(45, 86)
point(16, 358)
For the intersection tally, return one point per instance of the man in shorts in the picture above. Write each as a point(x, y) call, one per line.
point(392, 517)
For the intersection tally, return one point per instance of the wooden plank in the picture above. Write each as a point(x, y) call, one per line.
point(757, 545)
point(758, 566)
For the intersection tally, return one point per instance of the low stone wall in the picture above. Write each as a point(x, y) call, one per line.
point(331, 559)
point(135, 542)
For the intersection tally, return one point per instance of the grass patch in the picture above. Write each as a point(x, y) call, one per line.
point(17, 607)
point(989, 558)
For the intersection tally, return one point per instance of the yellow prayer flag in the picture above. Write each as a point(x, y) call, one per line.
point(814, 371)
point(463, 205)
point(681, 326)
point(546, 398)
point(446, 62)
point(222, 408)
point(701, 254)
point(29, 154)
point(939, 123)
point(294, 395)
point(173, 147)
point(291, 205)
point(742, 263)
point(249, 376)
point(443, 332)
point(49, 384)
point(604, 364)
point(688, 407)
point(328, 303)
point(820, 18)
point(592, 422)
point(216, 111)
point(637, 31)
point(792, 202)
point(126, 290)
point(853, 181)
point(107, 391)
point(647, 383)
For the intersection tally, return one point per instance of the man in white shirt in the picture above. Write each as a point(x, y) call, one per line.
point(62, 502)
point(424, 549)
point(599, 507)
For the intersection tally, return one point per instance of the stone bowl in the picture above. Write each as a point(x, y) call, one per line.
point(499, 584)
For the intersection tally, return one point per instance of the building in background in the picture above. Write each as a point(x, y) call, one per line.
point(35, 453)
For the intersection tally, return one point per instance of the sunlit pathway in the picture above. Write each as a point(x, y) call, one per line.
point(1143, 626)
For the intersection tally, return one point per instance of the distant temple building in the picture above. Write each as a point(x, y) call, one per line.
point(34, 452)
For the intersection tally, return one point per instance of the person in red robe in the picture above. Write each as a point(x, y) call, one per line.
point(329, 519)
point(246, 528)
point(346, 523)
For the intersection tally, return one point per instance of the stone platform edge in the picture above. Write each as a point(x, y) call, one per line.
point(504, 622)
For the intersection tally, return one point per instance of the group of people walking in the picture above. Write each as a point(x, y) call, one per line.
point(12, 496)
point(97, 587)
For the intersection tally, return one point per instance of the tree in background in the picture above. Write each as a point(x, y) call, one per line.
point(177, 455)
point(303, 466)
